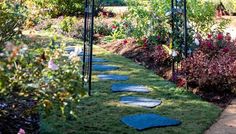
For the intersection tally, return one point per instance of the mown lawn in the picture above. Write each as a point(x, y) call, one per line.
point(101, 113)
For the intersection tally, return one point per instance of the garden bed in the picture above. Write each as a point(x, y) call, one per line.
point(144, 56)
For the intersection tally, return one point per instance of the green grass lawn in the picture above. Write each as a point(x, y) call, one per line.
point(101, 113)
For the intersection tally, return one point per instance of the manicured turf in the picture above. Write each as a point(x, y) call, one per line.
point(101, 113)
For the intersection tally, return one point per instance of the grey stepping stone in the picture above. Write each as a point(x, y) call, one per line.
point(145, 121)
point(113, 77)
point(129, 88)
point(139, 101)
point(104, 68)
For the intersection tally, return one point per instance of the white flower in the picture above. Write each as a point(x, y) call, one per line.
point(78, 50)
point(33, 85)
point(174, 53)
point(196, 41)
point(16, 29)
point(23, 49)
point(170, 52)
point(168, 13)
point(188, 25)
point(52, 65)
point(189, 51)
point(72, 55)
point(9, 46)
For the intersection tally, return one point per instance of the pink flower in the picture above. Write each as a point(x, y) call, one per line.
point(226, 50)
point(145, 45)
point(159, 47)
point(209, 36)
point(21, 131)
point(145, 40)
point(158, 37)
point(113, 27)
point(220, 36)
point(209, 44)
point(104, 13)
point(52, 65)
point(125, 42)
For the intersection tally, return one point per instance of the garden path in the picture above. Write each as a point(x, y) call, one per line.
point(103, 112)
point(227, 121)
point(138, 121)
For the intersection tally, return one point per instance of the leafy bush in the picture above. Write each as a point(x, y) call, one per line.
point(230, 5)
point(160, 56)
point(68, 26)
point(153, 18)
point(102, 29)
point(148, 17)
point(12, 18)
point(113, 2)
point(212, 66)
point(42, 75)
point(67, 23)
point(56, 8)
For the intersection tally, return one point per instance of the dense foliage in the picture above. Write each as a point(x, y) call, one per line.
point(113, 2)
point(11, 21)
point(212, 66)
point(56, 8)
point(153, 18)
point(230, 5)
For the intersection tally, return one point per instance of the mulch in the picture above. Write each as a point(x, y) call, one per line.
point(143, 56)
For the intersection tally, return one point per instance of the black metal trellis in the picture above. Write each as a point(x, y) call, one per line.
point(88, 44)
point(179, 31)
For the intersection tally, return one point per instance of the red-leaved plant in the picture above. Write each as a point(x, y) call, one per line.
point(213, 65)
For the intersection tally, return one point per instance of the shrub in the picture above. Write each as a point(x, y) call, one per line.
point(212, 66)
point(42, 75)
point(12, 18)
point(102, 29)
point(152, 19)
point(160, 56)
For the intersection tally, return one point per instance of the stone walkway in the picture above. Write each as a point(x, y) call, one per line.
point(227, 121)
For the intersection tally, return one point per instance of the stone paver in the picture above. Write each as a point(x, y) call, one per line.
point(227, 121)
point(140, 101)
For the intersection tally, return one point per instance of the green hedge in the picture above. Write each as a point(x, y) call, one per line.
point(113, 2)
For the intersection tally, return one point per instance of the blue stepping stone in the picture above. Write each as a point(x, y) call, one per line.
point(129, 88)
point(97, 60)
point(69, 49)
point(104, 68)
point(82, 54)
point(113, 77)
point(145, 121)
point(139, 101)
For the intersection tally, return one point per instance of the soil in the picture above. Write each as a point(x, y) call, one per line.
point(143, 56)
point(18, 114)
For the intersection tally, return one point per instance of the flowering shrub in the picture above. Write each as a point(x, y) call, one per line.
point(43, 76)
point(213, 65)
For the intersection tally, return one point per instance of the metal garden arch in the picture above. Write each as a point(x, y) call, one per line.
point(178, 10)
